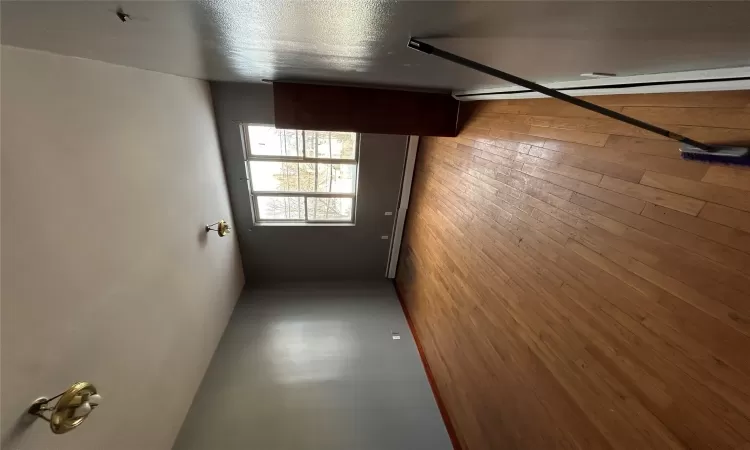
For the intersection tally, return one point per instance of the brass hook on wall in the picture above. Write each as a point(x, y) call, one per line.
point(222, 228)
point(72, 408)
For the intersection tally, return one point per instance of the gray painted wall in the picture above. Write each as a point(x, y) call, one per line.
point(309, 252)
point(313, 367)
point(109, 174)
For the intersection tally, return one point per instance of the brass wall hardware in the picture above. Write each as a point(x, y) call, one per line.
point(72, 408)
point(222, 228)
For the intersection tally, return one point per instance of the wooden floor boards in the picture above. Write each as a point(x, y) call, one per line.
point(574, 284)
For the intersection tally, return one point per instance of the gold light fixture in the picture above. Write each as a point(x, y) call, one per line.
point(72, 408)
point(222, 228)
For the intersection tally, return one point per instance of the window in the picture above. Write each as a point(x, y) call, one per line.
point(298, 176)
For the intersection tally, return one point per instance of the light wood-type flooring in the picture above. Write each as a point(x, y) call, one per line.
point(574, 284)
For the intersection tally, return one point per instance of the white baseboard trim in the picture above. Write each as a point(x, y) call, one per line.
point(403, 206)
point(700, 80)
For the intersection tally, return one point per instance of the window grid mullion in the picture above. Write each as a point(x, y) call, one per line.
point(307, 219)
point(300, 158)
point(302, 194)
point(275, 158)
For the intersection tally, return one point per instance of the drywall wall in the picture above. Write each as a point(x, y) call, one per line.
point(313, 366)
point(310, 252)
point(108, 176)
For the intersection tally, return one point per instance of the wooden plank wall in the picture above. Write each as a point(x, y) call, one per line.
point(574, 284)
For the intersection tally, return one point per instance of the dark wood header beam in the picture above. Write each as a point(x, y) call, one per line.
point(364, 110)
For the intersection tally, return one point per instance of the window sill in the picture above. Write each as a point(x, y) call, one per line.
point(303, 224)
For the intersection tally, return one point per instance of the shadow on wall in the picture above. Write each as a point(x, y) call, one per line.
point(13, 438)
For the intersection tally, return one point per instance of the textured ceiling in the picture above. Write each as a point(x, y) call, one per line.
point(364, 42)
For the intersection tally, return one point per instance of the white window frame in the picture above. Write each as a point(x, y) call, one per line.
point(248, 156)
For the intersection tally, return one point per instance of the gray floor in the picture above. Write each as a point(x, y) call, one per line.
point(314, 366)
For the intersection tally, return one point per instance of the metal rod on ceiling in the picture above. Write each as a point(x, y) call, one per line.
point(431, 50)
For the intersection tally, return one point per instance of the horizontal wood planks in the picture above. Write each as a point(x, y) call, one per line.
point(574, 284)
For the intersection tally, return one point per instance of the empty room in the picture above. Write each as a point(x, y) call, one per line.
point(374, 225)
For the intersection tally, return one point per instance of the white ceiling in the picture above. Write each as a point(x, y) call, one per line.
point(364, 42)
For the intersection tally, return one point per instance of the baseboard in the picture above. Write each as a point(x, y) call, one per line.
point(430, 378)
point(403, 206)
point(689, 81)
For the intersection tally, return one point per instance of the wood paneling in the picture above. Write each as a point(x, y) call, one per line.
point(364, 110)
point(574, 284)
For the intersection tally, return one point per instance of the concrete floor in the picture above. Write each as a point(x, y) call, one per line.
point(314, 366)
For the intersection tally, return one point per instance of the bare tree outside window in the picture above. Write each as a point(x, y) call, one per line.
point(300, 176)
